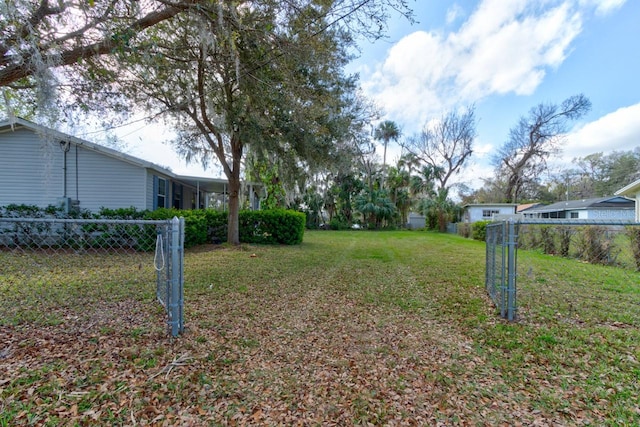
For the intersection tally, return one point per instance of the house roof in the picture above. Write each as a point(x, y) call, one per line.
point(210, 185)
point(485, 205)
point(630, 190)
point(527, 206)
point(595, 203)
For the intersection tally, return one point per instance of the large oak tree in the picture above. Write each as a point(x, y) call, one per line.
point(233, 77)
point(39, 36)
point(229, 76)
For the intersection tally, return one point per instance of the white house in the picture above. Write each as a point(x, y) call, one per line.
point(486, 211)
point(40, 166)
point(615, 208)
point(632, 191)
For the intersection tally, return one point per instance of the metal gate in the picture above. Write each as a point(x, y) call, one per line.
point(169, 265)
point(500, 272)
point(32, 248)
point(598, 246)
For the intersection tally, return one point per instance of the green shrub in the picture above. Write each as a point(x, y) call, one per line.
point(31, 211)
point(201, 226)
point(217, 228)
point(564, 235)
point(634, 239)
point(122, 213)
point(547, 237)
point(594, 246)
point(479, 230)
point(338, 224)
point(195, 223)
point(464, 229)
point(275, 226)
point(529, 237)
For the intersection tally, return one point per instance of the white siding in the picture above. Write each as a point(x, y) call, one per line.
point(104, 181)
point(475, 213)
point(611, 214)
point(38, 171)
point(32, 172)
point(30, 169)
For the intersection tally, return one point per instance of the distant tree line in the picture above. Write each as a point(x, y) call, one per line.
point(595, 175)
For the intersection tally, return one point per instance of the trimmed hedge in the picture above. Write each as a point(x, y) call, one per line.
point(216, 226)
point(264, 227)
point(276, 226)
point(195, 224)
point(201, 226)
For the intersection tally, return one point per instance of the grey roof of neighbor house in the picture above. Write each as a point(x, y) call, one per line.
point(210, 185)
point(595, 203)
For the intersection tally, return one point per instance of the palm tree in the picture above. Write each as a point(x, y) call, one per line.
point(375, 207)
point(398, 181)
point(385, 132)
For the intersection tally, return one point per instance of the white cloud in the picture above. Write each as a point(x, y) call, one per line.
point(604, 7)
point(616, 131)
point(403, 83)
point(504, 47)
point(513, 55)
point(453, 13)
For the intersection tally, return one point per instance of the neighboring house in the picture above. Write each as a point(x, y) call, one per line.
point(632, 191)
point(41, 166)
point(486, 211)
point(615, 208)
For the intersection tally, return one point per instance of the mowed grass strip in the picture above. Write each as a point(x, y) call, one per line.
point(349, 328)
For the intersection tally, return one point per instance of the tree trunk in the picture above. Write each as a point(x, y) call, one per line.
point(442, 220)
point(233, 222)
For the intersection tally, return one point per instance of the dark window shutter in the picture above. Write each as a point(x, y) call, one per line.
point(155, 192)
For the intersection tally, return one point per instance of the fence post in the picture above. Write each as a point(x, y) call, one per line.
point(511, 281)
point(175, 303)
point(504, 272)
point(181, 303)
point(489, 260)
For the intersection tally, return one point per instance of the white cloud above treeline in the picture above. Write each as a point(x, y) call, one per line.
point(616, 131)
point(499, 48)
point(503, 47)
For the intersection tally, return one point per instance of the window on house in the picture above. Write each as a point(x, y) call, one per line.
point(489, 213)
point(161, 197)
point(574, 215)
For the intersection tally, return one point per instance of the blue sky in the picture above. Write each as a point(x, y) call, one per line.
point(504, 56)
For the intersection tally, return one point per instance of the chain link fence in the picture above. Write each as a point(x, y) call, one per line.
point(52, 268)
point(561, 267)
point(500, 277)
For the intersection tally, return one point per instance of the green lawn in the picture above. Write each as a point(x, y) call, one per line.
point(349, 328)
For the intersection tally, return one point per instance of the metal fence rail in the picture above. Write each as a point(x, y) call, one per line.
point(42, 257)
point(614, 244)
point(603, 242)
